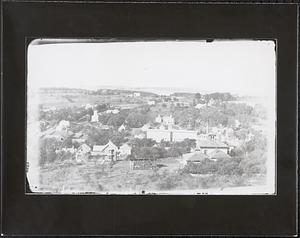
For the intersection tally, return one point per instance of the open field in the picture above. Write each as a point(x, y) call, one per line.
point(63, 98)
point(94, 177)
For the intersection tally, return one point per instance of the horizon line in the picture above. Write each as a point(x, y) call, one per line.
point(170, 90)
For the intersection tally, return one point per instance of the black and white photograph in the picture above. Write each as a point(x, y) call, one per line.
point(149, 118)
point(172, 117)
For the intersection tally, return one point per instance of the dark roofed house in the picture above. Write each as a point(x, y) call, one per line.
point(207, 146)
point(218, 154)
point(197, 157)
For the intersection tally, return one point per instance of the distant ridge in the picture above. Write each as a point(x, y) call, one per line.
point(155, 90)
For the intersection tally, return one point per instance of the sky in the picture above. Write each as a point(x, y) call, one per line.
point(245, 67)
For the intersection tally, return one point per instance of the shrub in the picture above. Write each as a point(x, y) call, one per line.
point(205, 167)
point(62, 155)
point(229, 167)
point(221, 167)
point(174, 152)
point(168, 183)
point(47, 150)
point(255, 163)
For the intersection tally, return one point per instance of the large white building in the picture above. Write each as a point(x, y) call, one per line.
point(170, 134)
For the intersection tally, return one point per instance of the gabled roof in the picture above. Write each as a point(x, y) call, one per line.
point(122, 126)
point(218, 154)
point(85, 146)
point(211, 144)
point(197, 156)
point(100, 148)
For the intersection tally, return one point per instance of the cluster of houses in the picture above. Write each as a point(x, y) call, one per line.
point(206, 144)
point(214, 137)
point(108, 152)
point(215, 143)
point(95, 116)
point(83, 151)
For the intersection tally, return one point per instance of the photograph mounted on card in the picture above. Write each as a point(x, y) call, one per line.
point(166, 117)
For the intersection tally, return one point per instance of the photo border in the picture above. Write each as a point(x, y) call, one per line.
point(147, 215)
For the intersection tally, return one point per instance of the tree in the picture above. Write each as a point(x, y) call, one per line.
point(118, 138)
point(148, 153)
point(67, 142)
point(136, 119)
point(47, 150)
point(197, 98)
point(174, 152)
point(104, 118)
point(116, 120)
point(98, 137)
point(145, 142)
point(90, 111)
point(102, 107)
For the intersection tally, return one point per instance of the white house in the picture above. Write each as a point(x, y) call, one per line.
point(82, 153)
point(237, 123)
point(95, 116)
point(136, 94)
point(145, 127)
point(200, 105)
point(168, 120)
point(87, 106)
point(122, 128)
point(125, 150)
point(107, 152)
point(158, 119)
point(63, 125)
point(113, 111)
point(211, 102)
point(84, 148)
point(151, 102)
point(140, 136)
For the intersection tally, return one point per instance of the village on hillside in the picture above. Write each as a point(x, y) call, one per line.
point(135, 142)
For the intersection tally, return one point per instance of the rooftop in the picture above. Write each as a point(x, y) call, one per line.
point(197, 156)
point(211, 144)
point(218, 154)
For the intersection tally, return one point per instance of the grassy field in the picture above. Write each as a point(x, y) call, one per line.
point(61, 99)
point(94, 177)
